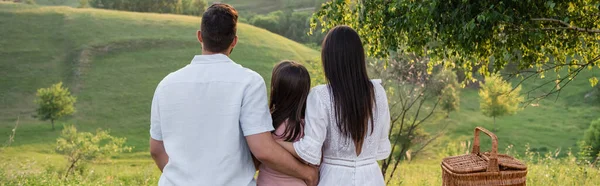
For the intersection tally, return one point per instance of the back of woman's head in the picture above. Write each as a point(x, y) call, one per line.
point(290, 84)
point(344, 64)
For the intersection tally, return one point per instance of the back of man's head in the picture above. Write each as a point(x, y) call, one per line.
point(219, 26)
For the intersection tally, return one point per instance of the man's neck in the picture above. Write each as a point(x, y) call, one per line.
point(204, 52)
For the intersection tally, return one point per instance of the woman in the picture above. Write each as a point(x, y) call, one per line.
point(347, 121)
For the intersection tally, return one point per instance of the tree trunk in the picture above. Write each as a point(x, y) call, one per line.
point(70, 169)
point(52, 121)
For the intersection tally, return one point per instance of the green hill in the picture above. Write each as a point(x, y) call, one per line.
point(255, 6)
point(111, 60)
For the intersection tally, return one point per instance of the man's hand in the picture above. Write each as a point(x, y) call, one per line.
point(267, 151)
point(313, 176)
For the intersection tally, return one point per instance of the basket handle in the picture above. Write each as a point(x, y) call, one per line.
point(493, 163)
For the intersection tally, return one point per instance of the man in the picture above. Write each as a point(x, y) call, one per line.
point(209, 115)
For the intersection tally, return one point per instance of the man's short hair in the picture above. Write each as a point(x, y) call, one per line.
point(219, 26)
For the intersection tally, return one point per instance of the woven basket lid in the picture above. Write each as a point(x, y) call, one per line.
point(507, 162)
point(468, 163)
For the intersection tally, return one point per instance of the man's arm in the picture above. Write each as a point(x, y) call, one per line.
point(157, 150)
point(289, 146)
point(274, 156)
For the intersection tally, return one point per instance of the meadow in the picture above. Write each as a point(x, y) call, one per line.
point(113, 60)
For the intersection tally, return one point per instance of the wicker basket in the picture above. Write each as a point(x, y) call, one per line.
point(488, 168)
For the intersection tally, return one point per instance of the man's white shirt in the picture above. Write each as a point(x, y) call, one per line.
point(202, 113)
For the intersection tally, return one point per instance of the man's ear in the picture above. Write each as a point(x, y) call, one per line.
point(199, 35)
point(233, 43)
point(235, 40)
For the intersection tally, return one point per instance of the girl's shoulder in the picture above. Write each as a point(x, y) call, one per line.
point(278, 134)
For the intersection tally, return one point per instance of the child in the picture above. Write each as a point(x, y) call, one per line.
point(290, 84)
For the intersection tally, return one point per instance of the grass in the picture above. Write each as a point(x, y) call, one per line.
point(113, 60)
point(545, 125)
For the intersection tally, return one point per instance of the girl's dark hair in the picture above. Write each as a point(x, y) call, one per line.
point(343, 58)
point(290, 84)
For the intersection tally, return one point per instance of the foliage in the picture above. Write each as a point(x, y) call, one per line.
point(290, 24)
point(197, 7)
point(445, 84)
point(30, 2)
point(443, 79)
point(449, 99)
point(498, 98)
point(54, 103)
point(187, 7)
point(84, 3)
point(317, 75)
point(81, 147)
point(536, 36)
point(58, 2)
point(592, 139)
point(412, 105)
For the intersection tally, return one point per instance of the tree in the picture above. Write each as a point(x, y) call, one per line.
point(84, 3)
point(449, 99)
point(443, 79)
point(159, 6)
point(81, 147)
point(474, 35)
point(268, 22)
point(54, 103)
point(498, 98)
point(58, 2)
point(198, 7)
point(412, 106)
point(592, 139)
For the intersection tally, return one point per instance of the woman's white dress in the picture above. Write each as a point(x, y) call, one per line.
point(322, 138)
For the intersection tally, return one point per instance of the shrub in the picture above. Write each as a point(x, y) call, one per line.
point(449, 99)
point(81, 147)
point(84, 3)
point(498, 98)
point(592, 139)
point(54, 103)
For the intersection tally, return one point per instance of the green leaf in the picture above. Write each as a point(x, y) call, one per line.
point(593, 81)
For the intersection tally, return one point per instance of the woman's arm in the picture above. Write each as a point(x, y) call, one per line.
point(309, 148)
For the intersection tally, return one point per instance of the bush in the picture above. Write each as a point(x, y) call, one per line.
point(592, 139)
point(290, 24)
point(81, 147)
point(498, 98)
point(84, 3)
point(158, 6)
point(54, 103)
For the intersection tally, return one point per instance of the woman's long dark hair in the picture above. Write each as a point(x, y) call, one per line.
point(290, 84)
point(343, 58)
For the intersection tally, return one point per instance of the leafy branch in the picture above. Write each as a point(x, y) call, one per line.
point(566, 25)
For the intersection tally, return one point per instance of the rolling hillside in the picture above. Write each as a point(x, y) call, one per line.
point(111, 60)
point(255, 6)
